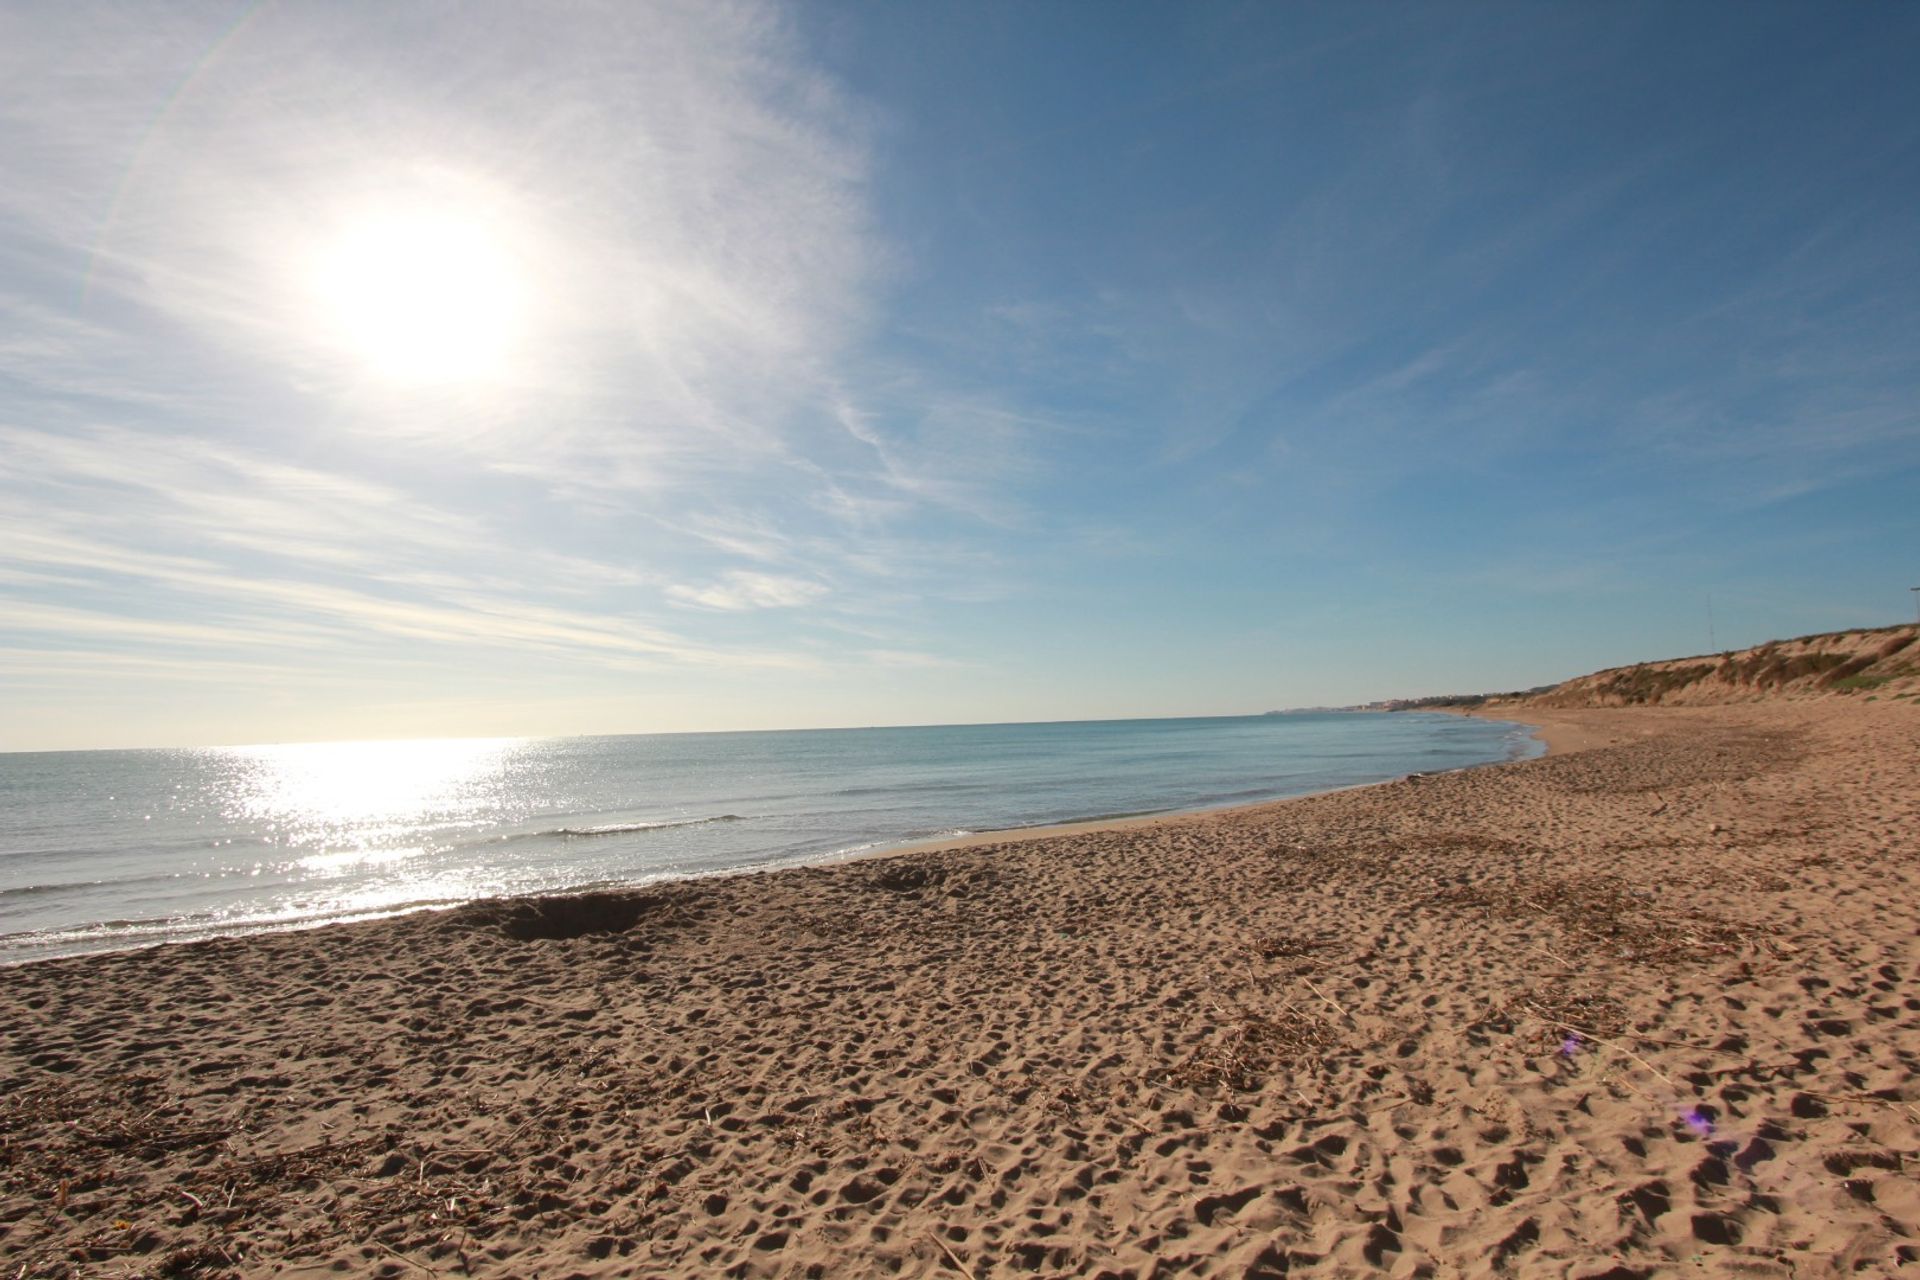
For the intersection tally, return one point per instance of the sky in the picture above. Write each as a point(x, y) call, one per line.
point(374, 370)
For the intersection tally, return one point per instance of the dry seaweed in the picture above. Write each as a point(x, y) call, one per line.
point(1559, 1007)
point(1607, 914)
point(1249, 1046)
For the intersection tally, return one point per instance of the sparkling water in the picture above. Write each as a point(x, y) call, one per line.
point(109, 849)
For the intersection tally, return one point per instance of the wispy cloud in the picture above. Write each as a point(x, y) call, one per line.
point(744, 589)
point(795, 381)
point(191, 465)
point(201, 546)
point(685, 191)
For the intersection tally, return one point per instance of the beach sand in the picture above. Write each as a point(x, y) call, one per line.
point(1648, 1006)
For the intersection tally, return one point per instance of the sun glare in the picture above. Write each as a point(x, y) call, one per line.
point(421, 297)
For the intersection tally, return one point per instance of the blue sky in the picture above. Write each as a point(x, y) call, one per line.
point(376, 371)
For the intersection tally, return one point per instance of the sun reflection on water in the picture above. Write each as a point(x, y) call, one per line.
point(347, 803)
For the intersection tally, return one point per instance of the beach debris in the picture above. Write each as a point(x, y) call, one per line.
point(384, 1247)
point(201, 1259)
point(1290, 947)
point(1337, 1006)
point(1617, 1047)
point(1571, 1012)
point(1249, 1046)
point(1606, 913)
point(953, 1258)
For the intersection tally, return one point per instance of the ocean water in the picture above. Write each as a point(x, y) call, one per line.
point(102, 850)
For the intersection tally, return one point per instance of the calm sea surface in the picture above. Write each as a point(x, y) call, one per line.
point(111, 849)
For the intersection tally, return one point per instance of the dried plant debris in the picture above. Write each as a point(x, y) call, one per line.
point(1608, 914)
point(1563, 1010)
point(1248, 1046)
point(54, 1132)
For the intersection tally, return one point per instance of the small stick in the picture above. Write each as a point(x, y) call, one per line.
point(381, 1244)
point(1557, 956)
point(954, 1258)
point(1671, 1044)
point(1330, 1000)
point(531, 1121)
point(1611, 1044)
point(1866, 1098)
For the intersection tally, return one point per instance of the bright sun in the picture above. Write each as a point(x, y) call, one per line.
point(423, 298)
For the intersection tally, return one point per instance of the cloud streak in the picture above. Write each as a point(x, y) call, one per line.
point(1005, 358)
point(744, 589)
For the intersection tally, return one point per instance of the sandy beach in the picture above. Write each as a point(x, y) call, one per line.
point(1648, 1006)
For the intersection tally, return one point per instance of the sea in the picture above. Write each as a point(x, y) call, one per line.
point(105, 850)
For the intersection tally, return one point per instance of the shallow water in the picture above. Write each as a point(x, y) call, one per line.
point(108, 849)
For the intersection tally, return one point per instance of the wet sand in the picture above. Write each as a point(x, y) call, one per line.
point(1648, 1006)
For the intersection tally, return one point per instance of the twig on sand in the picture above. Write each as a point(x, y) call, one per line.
point(1571, 967)
point(1338, 1007)
point(383, 1245)
point(1867, 1098)
point(953, 1258)
point(1615, 1045)
point(1747, 1060)
point(528, 1124)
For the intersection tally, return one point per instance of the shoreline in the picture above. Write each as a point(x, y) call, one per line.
point(992, 836)
point(1653, 1004)
point(1565, 738)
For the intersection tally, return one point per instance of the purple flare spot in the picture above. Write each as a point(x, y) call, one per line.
point(1698, 1122)
point(1570, 1045)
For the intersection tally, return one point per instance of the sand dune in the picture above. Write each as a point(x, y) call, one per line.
point(1650, 1007)
point(1876, 663)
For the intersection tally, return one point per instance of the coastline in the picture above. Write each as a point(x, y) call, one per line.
point(1559, 734)
point(1648, 1004)
point(1564, 737)
point(160, 934)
